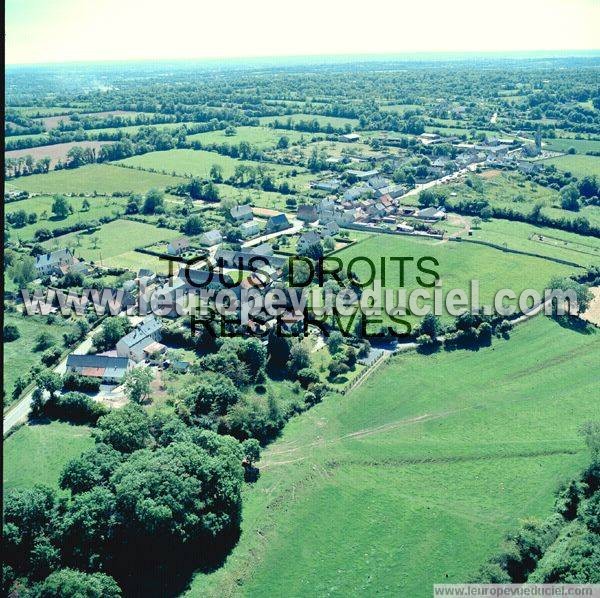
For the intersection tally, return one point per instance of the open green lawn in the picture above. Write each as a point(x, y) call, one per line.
point(334, 121)
point(459, 263)
point(19, 355)
point(113, 241)
point(42, 206)
point(258, 197)
point(579, 166)
point(412, 478)
point(36, 454)
point(198, 163)
point(260, 137)
point(99, 178)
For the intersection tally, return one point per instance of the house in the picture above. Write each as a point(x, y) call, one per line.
point(376, 210)
point(56, 262)
point(277, 223)
point(527, 167)
point(431, 213)
point(142, 341)
point(262, 249)
point(350, 137)
point(357, 191)
point(362, 175)
point(108, 368)
point(377, 182)
point(330, 229)
point(211, 238)
point(307, 213)
point(393, 191)
point(178, 246)
point(306, 240)
point(249, 229)
point(241, 213)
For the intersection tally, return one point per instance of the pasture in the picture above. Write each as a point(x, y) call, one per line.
point(260, 137)
point(510, 190)
point(578, 165)
point(95, 178)
point(36, 454)
point(106, 245)
point(197, 163)
point(42, 206)
point(581, 145)
point(377, 492)
point(459, 263)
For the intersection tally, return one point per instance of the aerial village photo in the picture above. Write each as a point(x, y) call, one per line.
point(301, 300)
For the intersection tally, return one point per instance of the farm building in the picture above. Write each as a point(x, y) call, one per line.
point(109, 369)
point(350, 137)
point(363, 175)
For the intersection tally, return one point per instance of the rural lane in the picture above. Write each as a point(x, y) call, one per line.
point(20, 410)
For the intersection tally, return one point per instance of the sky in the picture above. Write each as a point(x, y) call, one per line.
point(42, 31)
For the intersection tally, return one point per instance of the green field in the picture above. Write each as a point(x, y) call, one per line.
point(397, 486)
point(19, 355)
point(334, 121)
point(510, 190)
point(581, 145)
point(198, 163)
point(99, 207)
point(36, 454)
point(260, 137)
point(95, 178)
point(459, 263)
point(115, 240)
point(579, 166)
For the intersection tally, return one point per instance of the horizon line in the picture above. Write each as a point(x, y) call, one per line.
point(363, 57)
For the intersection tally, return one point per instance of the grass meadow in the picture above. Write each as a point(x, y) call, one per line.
point(397, 486)
point(36, 454)
point(42, 206)
point(260, 137)
point(94, 178)
point(577, 165)
point(459, 263)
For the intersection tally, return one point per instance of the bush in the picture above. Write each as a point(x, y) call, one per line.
point(74, 407)
point(74, 382)
point(308, 376)
point(11, 333)
point(51, 356)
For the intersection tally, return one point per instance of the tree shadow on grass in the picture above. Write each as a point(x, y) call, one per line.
point(574, 323)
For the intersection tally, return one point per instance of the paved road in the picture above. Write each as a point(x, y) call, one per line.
point(295, 228)
point(19, 411)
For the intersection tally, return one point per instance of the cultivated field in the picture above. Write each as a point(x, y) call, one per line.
point(395, 487)
point(95, 178)
point(55, 152)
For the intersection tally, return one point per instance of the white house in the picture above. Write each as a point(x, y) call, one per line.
point(142, 341)
point(211, 238)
